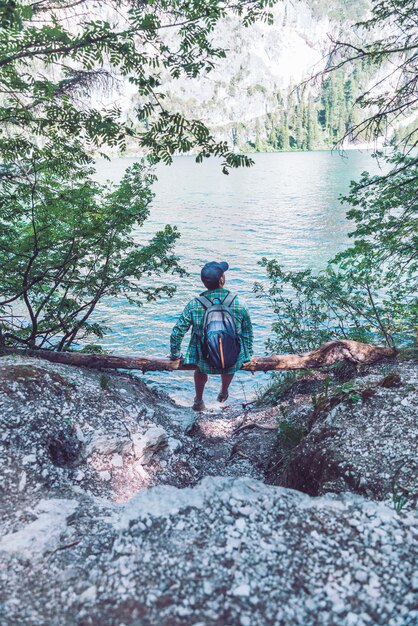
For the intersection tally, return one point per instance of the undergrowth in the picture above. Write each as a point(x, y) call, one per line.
point(279, 384)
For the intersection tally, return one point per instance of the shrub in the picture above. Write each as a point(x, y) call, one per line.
point(367, 292)
point(66, 243)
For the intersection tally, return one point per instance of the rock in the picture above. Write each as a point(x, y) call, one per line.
point(140, 545)
point(207, 588)
point(117, 460)
point(89, 595)
point(361, 576)
point(22, 481)
point(43, 534)
point(28, 459)
point(243, 590)
point(105, 444)
point(163, 542)
point(79, 433)
point(141, 470)
point(369, 448)
point(174, 444)
point(147, 445)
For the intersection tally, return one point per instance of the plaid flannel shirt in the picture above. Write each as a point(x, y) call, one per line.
point(193, 316)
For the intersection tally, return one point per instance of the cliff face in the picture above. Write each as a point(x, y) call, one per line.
point(263, 64)
point(262, 61)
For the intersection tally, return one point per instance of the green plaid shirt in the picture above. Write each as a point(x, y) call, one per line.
point(193, 316)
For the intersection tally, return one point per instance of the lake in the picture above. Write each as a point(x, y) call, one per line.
point(286, 207)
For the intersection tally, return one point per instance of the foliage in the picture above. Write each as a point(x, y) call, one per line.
point(306, 119)
point(66, 243)
point(387, 40)
point(55, 56)
point(399, 501)
point(279, 383)
point(290, 435)
point(105, 383)
point(331, 397)
point(367, 292)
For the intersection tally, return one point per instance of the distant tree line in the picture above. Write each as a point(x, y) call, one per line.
point(308, 120)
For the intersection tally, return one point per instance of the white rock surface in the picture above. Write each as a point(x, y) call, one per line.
point(227, 550)
point(44, 533)
point(148, 444)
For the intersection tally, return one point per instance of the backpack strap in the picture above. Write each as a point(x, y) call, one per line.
point(229, 299)
point(204, 301)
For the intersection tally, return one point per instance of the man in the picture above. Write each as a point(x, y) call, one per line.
point(213, 277)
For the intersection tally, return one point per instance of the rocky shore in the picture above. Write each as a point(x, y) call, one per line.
point(119, 507)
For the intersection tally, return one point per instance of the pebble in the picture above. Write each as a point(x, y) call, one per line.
point(174, 444)
point(141, 470)
point(361, 576)
point(89, 595)
point(193, 568)
point(280, 548)
point(28, 459)
point(22, 481)
point(79, 434)
point(243, 590)
point(207, 588)
point(117, 460)
point(232, 543)
point(183, 611)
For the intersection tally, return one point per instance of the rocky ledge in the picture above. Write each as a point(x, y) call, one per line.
point(361, 436)
point(118, 507)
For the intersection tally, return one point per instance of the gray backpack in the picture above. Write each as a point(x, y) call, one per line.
point(220, 342)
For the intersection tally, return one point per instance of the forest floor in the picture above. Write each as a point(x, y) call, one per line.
point(120, 507)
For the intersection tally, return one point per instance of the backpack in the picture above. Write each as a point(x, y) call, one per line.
point(221, 345)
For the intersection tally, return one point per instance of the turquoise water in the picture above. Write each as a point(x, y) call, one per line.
point(286, 206)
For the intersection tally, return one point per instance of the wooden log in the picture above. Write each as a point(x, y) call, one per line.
point(327, 354)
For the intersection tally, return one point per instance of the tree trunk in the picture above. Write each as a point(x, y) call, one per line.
point(327, 354)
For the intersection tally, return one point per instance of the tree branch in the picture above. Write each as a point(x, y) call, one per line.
point(327, 354)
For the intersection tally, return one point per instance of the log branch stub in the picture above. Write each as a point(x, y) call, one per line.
point(327, 354)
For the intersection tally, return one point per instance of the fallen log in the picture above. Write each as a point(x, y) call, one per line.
point(327, 354)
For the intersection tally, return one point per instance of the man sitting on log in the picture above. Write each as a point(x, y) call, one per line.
point(222, 335)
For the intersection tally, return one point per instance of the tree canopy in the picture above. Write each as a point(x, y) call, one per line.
point(66, 241)
point(387, 42)
point(57, 56)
